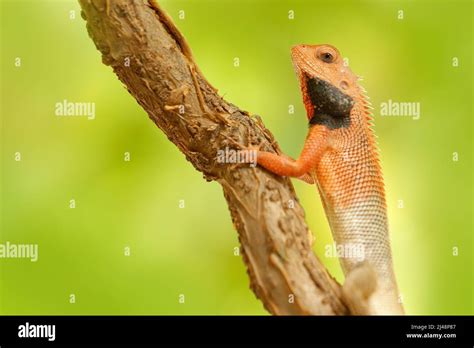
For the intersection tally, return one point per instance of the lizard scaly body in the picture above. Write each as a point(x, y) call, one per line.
point(340, 155)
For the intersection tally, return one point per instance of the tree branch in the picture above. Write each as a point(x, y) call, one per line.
point(150, 56)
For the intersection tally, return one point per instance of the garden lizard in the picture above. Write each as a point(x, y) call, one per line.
point(340, 156)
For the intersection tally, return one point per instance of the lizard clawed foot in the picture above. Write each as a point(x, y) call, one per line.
point(246, 154)
point(249, 154)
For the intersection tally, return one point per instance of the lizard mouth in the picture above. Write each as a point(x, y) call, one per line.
point(331, 107)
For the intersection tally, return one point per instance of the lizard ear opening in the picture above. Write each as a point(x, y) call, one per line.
point(344, 85)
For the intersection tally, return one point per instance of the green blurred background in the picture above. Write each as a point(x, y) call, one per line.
point(135, 204)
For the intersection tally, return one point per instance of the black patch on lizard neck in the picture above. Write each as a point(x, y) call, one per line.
point(332, 107)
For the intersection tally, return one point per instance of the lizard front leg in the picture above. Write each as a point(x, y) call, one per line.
point(306, 177)
point(314, 146)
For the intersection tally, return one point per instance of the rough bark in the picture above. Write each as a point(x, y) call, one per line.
point(150, 56)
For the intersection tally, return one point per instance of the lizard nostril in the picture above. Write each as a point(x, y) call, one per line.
point(344, 85)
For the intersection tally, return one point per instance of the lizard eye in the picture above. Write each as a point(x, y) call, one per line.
point(326, 57)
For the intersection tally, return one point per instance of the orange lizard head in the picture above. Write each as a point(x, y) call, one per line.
point(329, 87)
